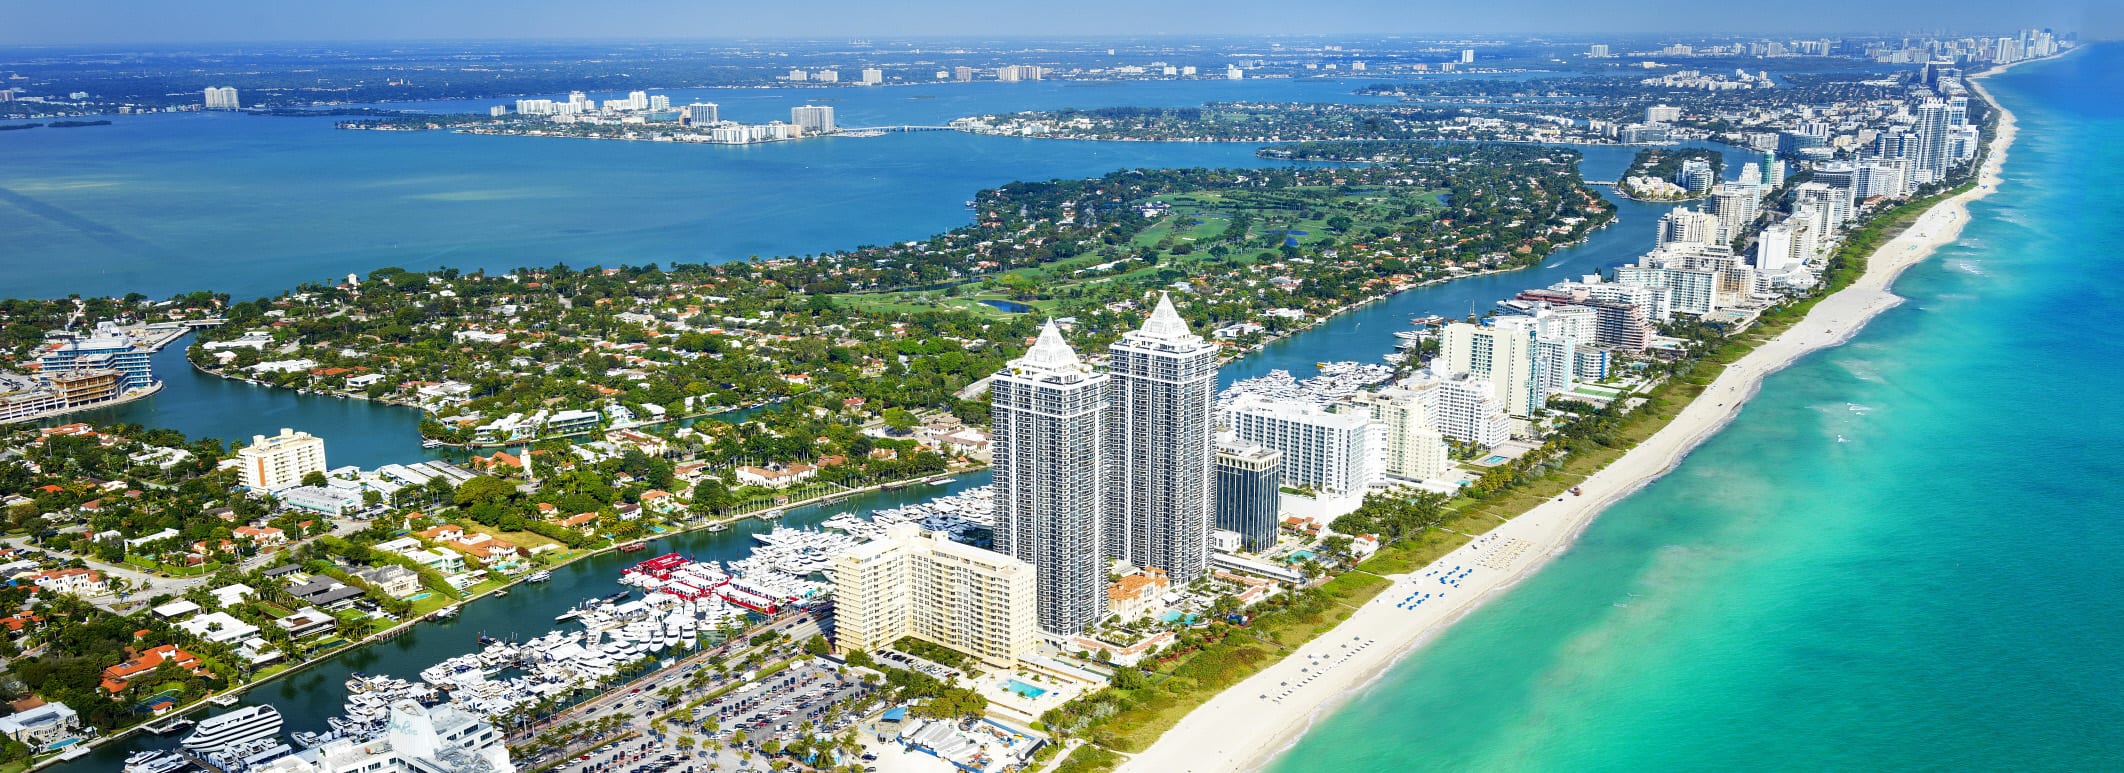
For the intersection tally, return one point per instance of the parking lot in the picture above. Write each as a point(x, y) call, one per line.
point(771, 708)
point(780, 705)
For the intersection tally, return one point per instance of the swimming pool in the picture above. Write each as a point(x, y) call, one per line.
point(1494, 459)
point(1023, 689)
point(418, 596)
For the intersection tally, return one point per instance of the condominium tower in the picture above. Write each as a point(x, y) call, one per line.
point(222, 98)
point(1249, 491)
point(1328, 452)
point(1049, 411)
point(976, 601)
point(813, 119)
point(279, 461)
point(1161, 447)
point(1502, 353)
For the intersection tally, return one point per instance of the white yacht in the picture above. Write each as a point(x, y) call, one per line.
point(246, 724)
point(156, 762)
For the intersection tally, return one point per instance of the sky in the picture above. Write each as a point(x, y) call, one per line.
point(58, 22)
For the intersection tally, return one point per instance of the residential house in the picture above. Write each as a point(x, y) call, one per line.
point(307, 621)
point(44, 726)
point(115, 678)
point(776, 475)
point(218, 627)
point(232, 594)
point(1138, 594)
point(263, 536)
point(393, 580)
point(326, 592)
point(78, 581)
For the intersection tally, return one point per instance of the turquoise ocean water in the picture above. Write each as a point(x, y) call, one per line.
point(1903, 555)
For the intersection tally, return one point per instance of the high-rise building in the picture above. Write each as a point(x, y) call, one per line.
point(798, 76)
point(1466, 408)
point(979, 602)
point(1597, 50)
point(873, 76)
point(1662, 114)
point(1249, 492)
point(1696, 175)
point(813, 119)
point(826, 76)
point(703, 113)
point(1049, 411)
point(222, 98)
point(659, 102)
point(1411, 447)
point(637, 100)
point(1688, 226)
point(279, 461)
point(1012, 73)
point(1328, 452)
point(1735, 204)
point(1502, 353)
point(1933, 154)
point(1467, 56)
point(107, 348)
point(962, 73)
point(1164, 382)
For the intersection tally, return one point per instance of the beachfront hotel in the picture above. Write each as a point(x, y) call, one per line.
point(1049, 411)
point(1163, 383)
point(280, 461)
point(976, 601)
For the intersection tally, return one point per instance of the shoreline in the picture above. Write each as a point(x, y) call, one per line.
point(1277, 705)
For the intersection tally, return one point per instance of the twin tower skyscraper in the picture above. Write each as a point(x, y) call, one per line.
point(1092, 466)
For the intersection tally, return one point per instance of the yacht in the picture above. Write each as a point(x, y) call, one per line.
point(243, 725)
point(539, 576)
point(156, 762)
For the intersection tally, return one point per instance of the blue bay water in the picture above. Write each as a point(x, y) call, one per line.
point(1900, 556)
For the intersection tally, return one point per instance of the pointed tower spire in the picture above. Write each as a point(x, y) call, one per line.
point(1165, 321)
point(1050, 351)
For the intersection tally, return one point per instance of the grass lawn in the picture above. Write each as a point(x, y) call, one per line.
point(522, 539)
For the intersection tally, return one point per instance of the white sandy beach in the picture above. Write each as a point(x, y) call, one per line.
point(1245, 726)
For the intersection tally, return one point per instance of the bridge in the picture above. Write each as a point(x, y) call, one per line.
point(1603, 182)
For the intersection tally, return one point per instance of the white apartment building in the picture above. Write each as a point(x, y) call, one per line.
point(1411, 447)
point(222, 98)
point(979, 602)
point(1687, 226)
point(281, 460)
point(1049, 412)
point(1161, 446)
point(812, 119)
point(1735, 204)
point(1467, 409)
point(1501, 353)
point(1330, 452)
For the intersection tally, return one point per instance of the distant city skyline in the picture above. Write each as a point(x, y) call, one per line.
point(216, 21)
